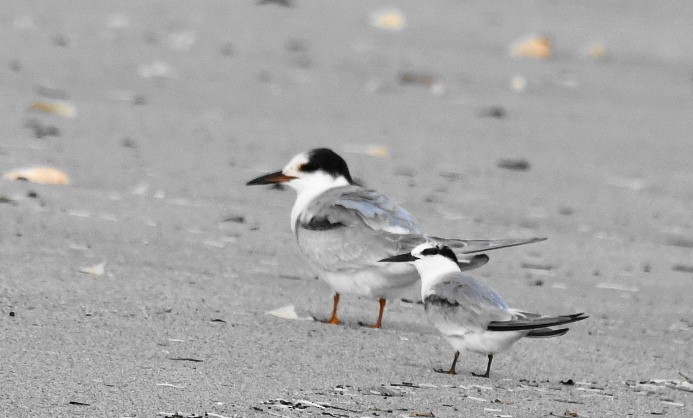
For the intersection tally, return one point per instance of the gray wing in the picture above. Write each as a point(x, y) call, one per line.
point(349, 228)
point(378, 211)
point(462, 246)
point(461, 301)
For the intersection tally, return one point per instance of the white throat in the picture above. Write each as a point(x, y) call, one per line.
point(310, 186)
point(432, 270)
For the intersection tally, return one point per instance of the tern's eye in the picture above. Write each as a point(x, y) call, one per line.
point(431, 251)
point(307, 168)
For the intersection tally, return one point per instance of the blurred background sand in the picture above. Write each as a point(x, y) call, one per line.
point(159, 112)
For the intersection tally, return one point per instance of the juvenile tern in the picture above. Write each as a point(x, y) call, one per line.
point(469, 314)
point(343, 229)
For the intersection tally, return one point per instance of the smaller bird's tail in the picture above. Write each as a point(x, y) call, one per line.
point(546, 332)
point(534, 323)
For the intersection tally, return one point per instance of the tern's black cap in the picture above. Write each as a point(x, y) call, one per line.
point(327, 160)
point(445, 251)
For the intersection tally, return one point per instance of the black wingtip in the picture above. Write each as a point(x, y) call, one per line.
point(535, 323)
point(473, 263)
point(547, 332)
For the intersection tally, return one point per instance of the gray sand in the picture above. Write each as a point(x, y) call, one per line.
point(194, 259)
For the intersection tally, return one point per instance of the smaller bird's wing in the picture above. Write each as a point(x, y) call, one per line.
point(461, 246)
point(521, 322)
point(461, 301)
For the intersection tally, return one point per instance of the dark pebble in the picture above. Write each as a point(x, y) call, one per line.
point(41, 130)
point(16, 66)
point(139, 100)
point(497, 112)
point(128, 142)
point(60, 40)
point(518, 164)
point(565, 210)
point(680, 242)
point(684, 268)
point(284, 3)
point(417, 78)
point(239, 219)
point(227, 50)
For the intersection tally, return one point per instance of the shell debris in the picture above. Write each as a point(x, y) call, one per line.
point(534, 46)
point(39, 175)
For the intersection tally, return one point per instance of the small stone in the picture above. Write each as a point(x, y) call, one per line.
point(515, 164)
point(227, 49)
point(60, 40)
point(684, 268)
point(565, 210)
point(497, 112)
point(16, 66)
point(139, 99)
point(128, 142)
point(284, 3)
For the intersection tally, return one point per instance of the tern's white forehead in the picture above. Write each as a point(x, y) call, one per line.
point(293, 168)
point(416, 252)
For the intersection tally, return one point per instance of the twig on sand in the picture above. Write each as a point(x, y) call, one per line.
point(685, 377)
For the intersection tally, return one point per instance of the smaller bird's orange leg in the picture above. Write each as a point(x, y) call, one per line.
point(335, 319)
point(379, 322)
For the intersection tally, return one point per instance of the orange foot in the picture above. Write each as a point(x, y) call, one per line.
point(334, 321)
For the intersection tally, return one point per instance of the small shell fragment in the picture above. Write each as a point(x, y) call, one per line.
point(597, 51)
point(95, 270)
point(617, 286)
point(388, 19)
point(377, 151)
point(518, 83)
point(39, 175)
point(288, 312)
point(156, 69)
point(55, 107)
point(535, 46)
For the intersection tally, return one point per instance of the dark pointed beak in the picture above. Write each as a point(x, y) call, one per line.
point(401, 258)
point(271, 178)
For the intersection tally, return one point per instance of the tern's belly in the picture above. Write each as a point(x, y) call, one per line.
point(373, 282)
point(484, 342)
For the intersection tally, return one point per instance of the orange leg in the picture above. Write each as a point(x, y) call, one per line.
point(379, 322)
point(335, 319)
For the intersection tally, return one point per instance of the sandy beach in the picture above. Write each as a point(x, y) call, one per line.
point(142, 288)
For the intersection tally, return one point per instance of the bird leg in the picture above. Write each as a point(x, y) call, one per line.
point(335, 319)
point(379, 322)
point(452, 368)
point(488, 368)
